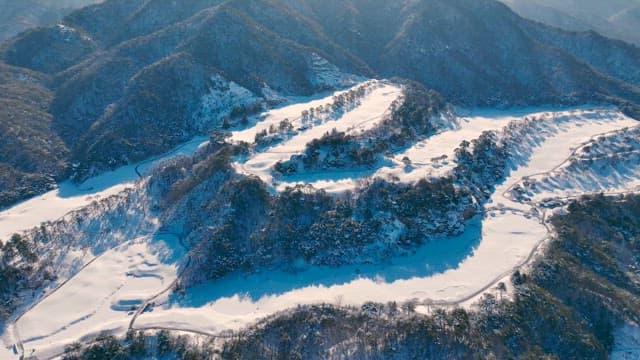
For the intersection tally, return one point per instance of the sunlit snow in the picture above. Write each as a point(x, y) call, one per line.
point(447, 271)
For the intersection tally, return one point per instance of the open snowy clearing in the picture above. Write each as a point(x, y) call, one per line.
point(292, 112)
point(431, 157)
point(102, 297)
point(49, 334)
point(451, 271)
point(366, 116)
point(608, 163)
point(68, 197)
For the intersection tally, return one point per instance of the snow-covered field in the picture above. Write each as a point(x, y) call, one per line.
point(364, 117)
point(452, 271)
point(456, 271)
point(607, 163)
point(68, 196)
point(88, 302)
point(431, 157)
point(102, 296)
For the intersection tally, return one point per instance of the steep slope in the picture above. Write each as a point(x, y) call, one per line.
point(477, 52)
point(31, 157)
point(48, 50)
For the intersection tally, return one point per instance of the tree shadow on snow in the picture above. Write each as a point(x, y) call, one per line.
point(428, 260)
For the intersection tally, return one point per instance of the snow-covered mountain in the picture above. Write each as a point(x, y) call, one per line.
point(17, 16)
point(436, 166)
point(123, 80)
point(617, 19)
point(214, 237)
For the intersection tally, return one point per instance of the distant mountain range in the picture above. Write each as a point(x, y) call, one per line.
point(123, 80)
point(618, 19)
point(19, 15)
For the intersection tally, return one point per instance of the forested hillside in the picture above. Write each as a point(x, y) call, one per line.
point(17, 16)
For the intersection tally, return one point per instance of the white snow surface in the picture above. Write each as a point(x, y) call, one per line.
point(366, 116)
point(292, 111)
point(88, 303)
point(68, 196)
point(431, 157)
point(102, 296)
point(607, 163)
point(450, 271)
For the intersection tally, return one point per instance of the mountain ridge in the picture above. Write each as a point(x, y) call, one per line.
point(94, 57)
